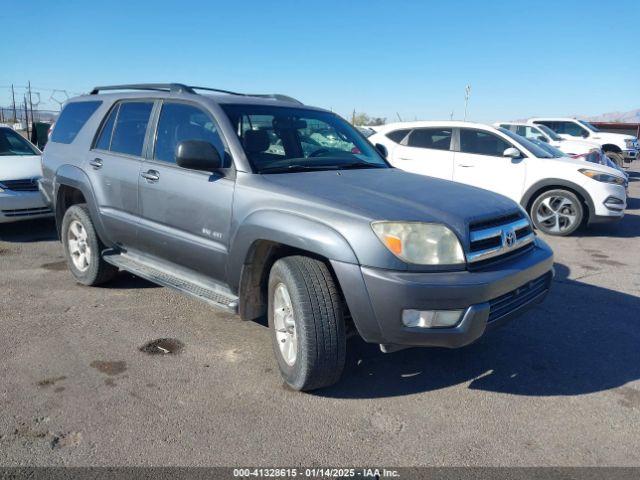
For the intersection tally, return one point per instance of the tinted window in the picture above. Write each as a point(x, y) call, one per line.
point(180, 122)
point(436, 138)
point(12, 143)
point(398, 135)
point(71, 120)
point(105, 136)
point(482, 143)
point(567, 128)
point(131, 127)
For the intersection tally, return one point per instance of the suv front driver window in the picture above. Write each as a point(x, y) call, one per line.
point(482, 143)
point(179, 122)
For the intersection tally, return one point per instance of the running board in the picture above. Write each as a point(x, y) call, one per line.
point(214, 295)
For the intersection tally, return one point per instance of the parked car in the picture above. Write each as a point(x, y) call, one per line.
point(560, 194)
point(19, 171)
point(618, 147)
point(545, 134)
point(593, 156)
point(185, 190)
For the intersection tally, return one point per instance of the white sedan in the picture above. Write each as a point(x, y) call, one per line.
point(20, 168)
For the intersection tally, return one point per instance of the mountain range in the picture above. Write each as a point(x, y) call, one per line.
point(632, 116)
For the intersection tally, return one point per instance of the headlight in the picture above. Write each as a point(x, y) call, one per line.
point(602, 177)
point(630, 142)
point(1, 188)
point(420, 243)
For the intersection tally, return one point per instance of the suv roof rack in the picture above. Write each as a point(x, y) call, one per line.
point(181, 88)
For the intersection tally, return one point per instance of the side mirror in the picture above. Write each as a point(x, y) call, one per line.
point(382, 150)
point(584, 134)
point(512, 152)
point(543, 139)
point(198, 155)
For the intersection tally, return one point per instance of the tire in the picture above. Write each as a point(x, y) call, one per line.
point(616, 158)
point(557, 212)
point(313, 321)
point(80, 242)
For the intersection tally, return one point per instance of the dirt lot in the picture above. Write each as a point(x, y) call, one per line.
point(559, 386)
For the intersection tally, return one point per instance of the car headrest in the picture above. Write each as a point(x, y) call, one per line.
point(256, 141)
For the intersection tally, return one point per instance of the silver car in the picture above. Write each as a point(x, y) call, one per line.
point(20, 169)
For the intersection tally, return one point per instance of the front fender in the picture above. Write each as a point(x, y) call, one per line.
point(288, 229)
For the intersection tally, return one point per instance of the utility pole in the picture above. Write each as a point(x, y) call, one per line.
point(26, 114)
point(13, 96)
point(399, 117)
point(30, 102)
point(467, 94)
point(451, 116)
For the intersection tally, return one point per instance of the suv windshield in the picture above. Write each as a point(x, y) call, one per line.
point(12, 143)
point(550, 149)
point(588, 126)
point(283, 139)
point(550, 133)
point(533, 148)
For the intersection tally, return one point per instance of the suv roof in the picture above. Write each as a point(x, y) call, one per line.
point(162, 90)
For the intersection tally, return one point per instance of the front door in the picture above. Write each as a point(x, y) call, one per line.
point(426, 151)
point(185, 215)
point(480, 162)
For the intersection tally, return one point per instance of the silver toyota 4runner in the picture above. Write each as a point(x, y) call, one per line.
point(263, 206)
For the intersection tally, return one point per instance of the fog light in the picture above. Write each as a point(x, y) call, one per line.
point(431, 318)
point(613, 203)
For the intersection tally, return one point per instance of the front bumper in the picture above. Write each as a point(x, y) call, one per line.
point(630, 154)
point(609, 202)
point(489, 297)
point(15, 206)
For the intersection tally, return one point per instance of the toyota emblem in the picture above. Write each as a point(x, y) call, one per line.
point(509, 239)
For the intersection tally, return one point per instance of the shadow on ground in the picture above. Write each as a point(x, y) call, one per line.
point(582, 339)
point(628, 227)
point(42, 230)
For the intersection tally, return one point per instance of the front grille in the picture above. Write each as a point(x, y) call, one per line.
point(498, 238)
point(25, 212)
point(527, 293)
point(24, 185)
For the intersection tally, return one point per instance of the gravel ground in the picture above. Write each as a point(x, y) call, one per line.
point(559, 386)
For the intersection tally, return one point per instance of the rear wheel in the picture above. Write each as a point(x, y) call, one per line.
point(307, 323)
point(557, 212)
point(83, 248)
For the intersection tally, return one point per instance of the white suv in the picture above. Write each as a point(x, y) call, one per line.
point(560, 194)
point(545, 134)
point(619, 147)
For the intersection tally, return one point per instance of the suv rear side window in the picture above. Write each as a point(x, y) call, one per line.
point(71, 120)
point(568, 128)
point(482, 143)
point(398, 135)
point(179, 122)
point(104, 141)
point(131, 127)
point(435, 138)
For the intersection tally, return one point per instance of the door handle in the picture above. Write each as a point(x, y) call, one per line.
point(96, 163)
point(464, 165)
point(403, 158)
point(150, 176)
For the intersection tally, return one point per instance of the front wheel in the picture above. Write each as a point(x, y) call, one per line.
point(306, 319)
point(557, 212)
point(616, 158)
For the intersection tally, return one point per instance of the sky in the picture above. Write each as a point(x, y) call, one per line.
point(407, 59)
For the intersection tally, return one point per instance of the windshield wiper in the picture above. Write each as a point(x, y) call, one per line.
point(303, 168)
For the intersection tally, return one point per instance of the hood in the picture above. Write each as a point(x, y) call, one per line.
point(581, 163)
point(577, 146)
point(393, 194)
point(18, 167)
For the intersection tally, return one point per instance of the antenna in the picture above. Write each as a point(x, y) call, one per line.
point(467, 94)
point(399, 117)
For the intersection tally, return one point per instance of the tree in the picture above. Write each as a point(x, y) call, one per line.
point(359, 119)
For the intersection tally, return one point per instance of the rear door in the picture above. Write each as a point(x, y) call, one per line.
point(114, 163)
point(426, 151)
point(480, 162)
point(185, 215)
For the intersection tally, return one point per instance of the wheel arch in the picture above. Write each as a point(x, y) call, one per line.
point(72, 186)
point(266, 236)
point(556, 183)
point(610, 147)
